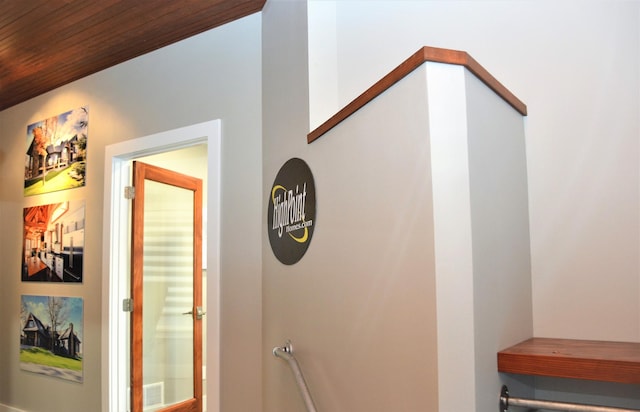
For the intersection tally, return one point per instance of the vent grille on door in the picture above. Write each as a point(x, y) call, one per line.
point(153, 395)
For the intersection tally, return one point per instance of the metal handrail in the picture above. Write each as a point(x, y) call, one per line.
point(286, 352)
point(506, 401)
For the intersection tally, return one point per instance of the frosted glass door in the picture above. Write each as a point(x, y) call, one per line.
point(166, 344)
point(167, 355)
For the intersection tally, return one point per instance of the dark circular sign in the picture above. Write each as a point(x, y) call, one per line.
point(292, 211)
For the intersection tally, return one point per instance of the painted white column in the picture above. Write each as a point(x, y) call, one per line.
point(452, 234)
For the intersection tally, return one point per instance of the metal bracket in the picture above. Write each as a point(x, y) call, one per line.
point(129, 192)
point(285, 351)
point(504, 399)
point(127, 305)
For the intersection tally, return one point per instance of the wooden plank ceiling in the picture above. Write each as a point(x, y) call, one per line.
point(45, 44)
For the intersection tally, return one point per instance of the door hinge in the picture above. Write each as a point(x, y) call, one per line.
point(129, 192)
point(127, 305)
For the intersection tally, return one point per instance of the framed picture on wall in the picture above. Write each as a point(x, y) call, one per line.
point(51, 336)
point(53, 242)
point(56, 153)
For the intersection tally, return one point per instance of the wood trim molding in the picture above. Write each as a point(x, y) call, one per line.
point(425, 54)
point(577, 359)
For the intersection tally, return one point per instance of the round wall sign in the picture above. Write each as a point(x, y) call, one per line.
point(292, 211)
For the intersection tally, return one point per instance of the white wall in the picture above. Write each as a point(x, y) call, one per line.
point(502, 301)
point(360, 305)
point(285, 123)
point(576, 65)
point(384, 311)
point(215, 75)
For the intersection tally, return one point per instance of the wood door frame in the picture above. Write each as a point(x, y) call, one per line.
point(115, 262)
point(143, 172)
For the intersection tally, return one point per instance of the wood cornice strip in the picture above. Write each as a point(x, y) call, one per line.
point(425, 54)
point(577, 359)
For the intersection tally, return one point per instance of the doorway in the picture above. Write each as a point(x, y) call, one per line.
point(190, 150)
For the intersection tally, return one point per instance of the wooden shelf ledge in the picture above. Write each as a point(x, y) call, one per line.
point(578, 359)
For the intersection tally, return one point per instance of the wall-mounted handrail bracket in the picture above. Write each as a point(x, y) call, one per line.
point(286, 352)
point(287, 348)
point(506, 401)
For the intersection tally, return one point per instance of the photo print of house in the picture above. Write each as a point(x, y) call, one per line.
point(51, 336)
point(56, 153)
point(53, 242)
